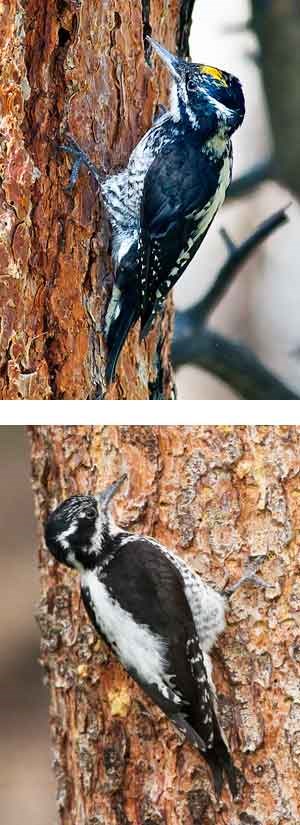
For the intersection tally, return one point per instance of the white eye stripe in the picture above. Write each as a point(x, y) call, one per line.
point(63, 537)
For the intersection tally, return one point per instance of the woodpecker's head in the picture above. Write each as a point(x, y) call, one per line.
point(211, 99)
point(76, 531)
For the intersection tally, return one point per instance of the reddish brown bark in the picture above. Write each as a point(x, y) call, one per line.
point(81, 68)
point(218, 495)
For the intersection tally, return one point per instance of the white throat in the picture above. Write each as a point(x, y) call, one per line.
point(175, 108)
point(97, 540)
point(192, 117)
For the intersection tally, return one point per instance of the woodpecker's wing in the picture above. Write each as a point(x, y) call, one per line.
point(207, 605)
point(179, 202)
point(140, 608)
point(148, 592)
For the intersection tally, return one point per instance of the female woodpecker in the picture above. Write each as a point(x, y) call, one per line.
point(161, 206)
point(155, 613)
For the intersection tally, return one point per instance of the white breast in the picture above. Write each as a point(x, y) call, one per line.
point(135, 645)
point(224, 180)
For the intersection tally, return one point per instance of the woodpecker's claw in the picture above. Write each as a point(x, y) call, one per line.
point(80, 158)
point(248, 576)
point(74, 175)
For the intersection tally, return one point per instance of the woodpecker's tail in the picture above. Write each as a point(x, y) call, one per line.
point(220, 763)
point(217, 757)
point(121, 316)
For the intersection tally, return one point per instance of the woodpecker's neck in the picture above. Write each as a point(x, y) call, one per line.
point(211, 119)
point(181, 111)
point(89, 556)
point(204, 125)
point(174, 101)
point(104, 543)
point(228, 119)
point(216, 145)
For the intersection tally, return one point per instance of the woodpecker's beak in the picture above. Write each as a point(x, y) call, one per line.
point(169, 59)
point(109, 492)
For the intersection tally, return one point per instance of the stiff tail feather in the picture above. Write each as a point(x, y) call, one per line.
point(121, 316)
point(217, 757)
point(220, 763)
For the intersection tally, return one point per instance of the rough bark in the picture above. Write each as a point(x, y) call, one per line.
point(277, 25)
point(219, 496)
point(81, 68)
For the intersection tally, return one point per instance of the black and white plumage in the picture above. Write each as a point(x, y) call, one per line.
point(156, 614)
point(161, 206)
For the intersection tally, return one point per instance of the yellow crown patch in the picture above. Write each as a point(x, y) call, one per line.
point(216, 73)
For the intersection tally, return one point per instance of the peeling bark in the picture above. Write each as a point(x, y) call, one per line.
point(81, 68)
point(219, 496)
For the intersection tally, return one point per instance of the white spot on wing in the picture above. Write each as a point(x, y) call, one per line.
point(113, 310)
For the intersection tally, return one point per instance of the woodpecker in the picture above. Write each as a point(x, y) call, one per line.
point(161, 206)
point(155, 613)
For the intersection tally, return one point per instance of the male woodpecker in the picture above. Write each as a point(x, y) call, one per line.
point(160, 619)
point(161, 206)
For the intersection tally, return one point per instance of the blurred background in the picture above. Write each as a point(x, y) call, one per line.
point(27, 791)
point(262, 307)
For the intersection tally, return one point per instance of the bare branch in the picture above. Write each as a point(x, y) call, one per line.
point(231, 361)
point(199, 313)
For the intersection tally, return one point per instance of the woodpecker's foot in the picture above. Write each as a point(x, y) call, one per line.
point(80, 158)
point(248, 576)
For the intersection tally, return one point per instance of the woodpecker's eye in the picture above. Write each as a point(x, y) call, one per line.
point(192, 85)
point(91, 513)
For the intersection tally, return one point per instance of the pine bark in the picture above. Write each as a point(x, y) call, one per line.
point(80, 68)
point(219, 496)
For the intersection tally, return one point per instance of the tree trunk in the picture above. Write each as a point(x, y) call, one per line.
point(78, 68)
point(217, 495)
point(277, 25)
